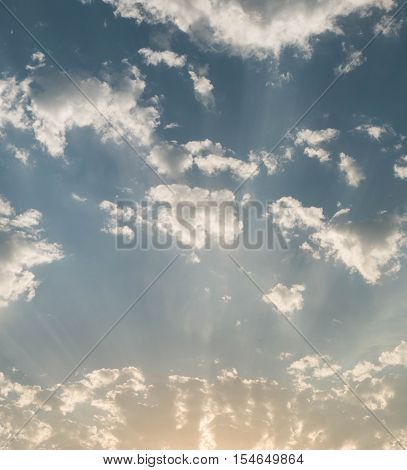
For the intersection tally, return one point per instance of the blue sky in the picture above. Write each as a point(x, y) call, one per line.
point(202, 91)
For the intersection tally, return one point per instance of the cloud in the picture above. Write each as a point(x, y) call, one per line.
point(173, 159)
point(170, 159)
point(21, 154)
point(389, 26)
point(321, 154)
point(353, 60)
point(289, 214)
point(169, 58)
point(315, 137)
point(48, 105)
point(212, 218)
point(75, 197)
point(121, 409)
point(21, 249)
point(372, 248)
point(171, 125)
point(286, 299)
point(213, 164)
point(375, 132)
point(400, 169)
point(207, 222)
point(203, 89)
point(258, 29)
point(353, 173)
point(398, 356)
point(269, 160)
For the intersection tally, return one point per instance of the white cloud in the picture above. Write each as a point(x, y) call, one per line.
point(268, 159)
point(48, 105)
point(286, 299)
point(375, 132)
point(121, 409)
point(170, 159)
point(389, 26)
point(169, 58)
point(371, 248)
point(398, 356)
point(171, 125)
point(257, 29)
point(354, 60)
point(400, 169)
point(353, 173)
point(289, 214)
point(207, 221)
point(212, 220)
point(315, 137)
point(173, 159)
point(19, 153)
point(75, 197)
point(212, 164)
point(321, 154)
point(203, 89)
point(21, 249)
point(38, 61)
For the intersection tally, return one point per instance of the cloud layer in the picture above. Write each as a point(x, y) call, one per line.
point(121, 409)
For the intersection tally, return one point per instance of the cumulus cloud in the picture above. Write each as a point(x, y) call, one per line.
point(319, 153)
point(21, 250)
point(212, 218)
point(48, 105)
point(353, 60)
point(289, 214)
point(173, 159)
point(268, 159)
point(400, 168)
point(353, 173)
point(121, 409)
point(398, 356)
point(258, 28)
point(203, 89)
point(169, 58)
point(375, 132)
point(170, 159)
point(286, 299)
point(315, 137)
point(372, 248)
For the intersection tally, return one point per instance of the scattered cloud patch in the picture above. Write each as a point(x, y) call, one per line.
point(400, 168)
point(22, 248)
point(169, 58)
point(75, 197)
point(170, 159)
point(286, 299)
point(349, 167)
point(375, 132)
point(203, 89)
point(314, 138)
point(319, 153)
point(353, 60)
point(372, 248)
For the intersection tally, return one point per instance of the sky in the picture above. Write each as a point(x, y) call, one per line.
point(301, 346)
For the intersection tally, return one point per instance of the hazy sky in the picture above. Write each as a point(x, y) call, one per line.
point(201, 91)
